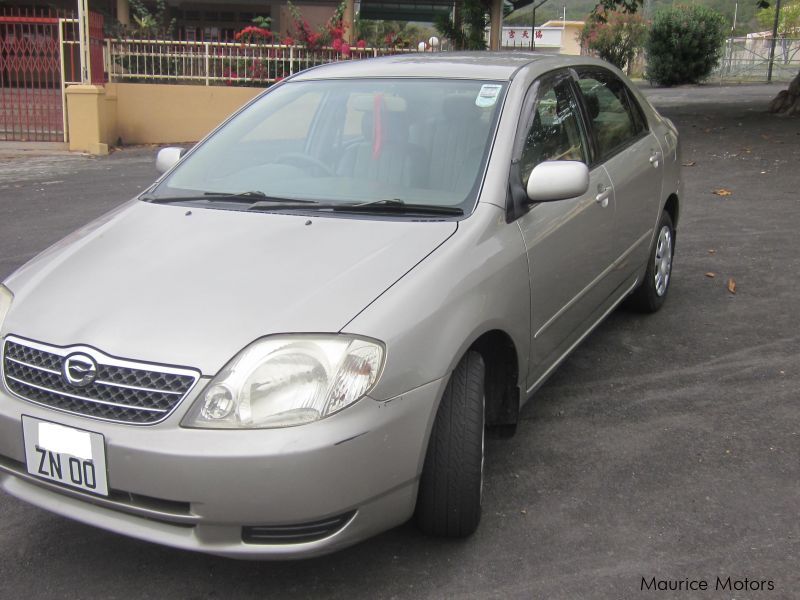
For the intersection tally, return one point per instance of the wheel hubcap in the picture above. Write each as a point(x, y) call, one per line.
point(663, 260)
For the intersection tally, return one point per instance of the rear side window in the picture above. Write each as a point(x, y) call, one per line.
point(615, 118)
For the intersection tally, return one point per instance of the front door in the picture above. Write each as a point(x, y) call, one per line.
point(570, 243)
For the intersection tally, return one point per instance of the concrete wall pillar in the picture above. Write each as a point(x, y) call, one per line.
point(349, 20)
point(124, 12)
point(91, 118)
point(496, 25)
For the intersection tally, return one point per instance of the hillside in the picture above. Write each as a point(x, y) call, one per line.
point(578, 10)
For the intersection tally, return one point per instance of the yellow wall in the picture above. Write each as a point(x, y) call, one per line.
point(569, 39)
point(570, 43)
point(140, 113)
point(162, 114)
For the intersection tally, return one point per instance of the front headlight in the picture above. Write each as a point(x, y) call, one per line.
point(288, 380)
point(6, 298)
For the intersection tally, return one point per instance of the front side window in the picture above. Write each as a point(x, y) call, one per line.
point(555, 132)
point(615, 120)
point(420, 141)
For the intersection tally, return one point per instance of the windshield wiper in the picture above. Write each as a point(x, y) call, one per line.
point(393, 206)
point(219, 197)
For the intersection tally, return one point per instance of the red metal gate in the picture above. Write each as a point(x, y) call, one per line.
point(32, 60)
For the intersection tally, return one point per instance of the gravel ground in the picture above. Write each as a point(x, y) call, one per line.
point(665, 446)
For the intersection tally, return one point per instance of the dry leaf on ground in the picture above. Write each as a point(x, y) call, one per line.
point(722, 192)
point(689, 163)
point(712, 251)
point(731, 285)
point(711, 275)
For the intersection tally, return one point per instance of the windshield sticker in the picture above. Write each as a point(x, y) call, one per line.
point(488, 95)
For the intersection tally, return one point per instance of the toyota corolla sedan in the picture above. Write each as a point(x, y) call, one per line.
point(298, 336)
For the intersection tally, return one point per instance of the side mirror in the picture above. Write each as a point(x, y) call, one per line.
point(558, 180)
point(167, 157)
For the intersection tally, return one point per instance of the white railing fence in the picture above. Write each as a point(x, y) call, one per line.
point(748, 59)
point(219, 63)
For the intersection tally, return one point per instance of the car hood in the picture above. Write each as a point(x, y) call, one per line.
point(192, 287)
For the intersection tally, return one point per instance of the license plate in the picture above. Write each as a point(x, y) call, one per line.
point(66, 455)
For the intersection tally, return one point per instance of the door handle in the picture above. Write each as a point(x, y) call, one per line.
point(655, 159)
point(603, 191)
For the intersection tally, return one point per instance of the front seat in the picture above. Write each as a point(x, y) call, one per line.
point(385, 153)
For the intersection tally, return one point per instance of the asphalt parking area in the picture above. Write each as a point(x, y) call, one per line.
point(666, 446)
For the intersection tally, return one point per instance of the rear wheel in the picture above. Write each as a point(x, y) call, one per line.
point(451, 486)
point(652, 292)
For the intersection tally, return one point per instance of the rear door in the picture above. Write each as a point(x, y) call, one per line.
point(632, 157)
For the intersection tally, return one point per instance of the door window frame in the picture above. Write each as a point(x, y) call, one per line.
point(517, 202)
point(636, 113)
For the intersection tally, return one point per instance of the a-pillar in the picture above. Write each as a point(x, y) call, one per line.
point(495, 24)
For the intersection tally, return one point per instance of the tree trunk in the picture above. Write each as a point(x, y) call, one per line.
point(787, 102)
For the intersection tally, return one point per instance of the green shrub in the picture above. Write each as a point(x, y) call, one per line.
point(684, 45)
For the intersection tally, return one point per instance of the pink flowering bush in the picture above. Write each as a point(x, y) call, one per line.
point(615, 36)
point(253, 35)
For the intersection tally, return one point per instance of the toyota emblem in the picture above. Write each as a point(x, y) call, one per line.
point(79, 370)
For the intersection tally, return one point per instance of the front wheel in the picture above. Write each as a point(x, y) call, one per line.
point(451, 486)
point(652, 292)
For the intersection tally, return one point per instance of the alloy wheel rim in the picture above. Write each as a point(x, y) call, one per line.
point(663, 260)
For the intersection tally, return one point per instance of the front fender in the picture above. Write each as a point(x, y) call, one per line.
point(475, 282)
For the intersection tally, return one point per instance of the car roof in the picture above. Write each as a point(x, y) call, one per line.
point(456, 65)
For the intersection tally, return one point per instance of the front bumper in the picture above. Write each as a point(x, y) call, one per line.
point(196, 489)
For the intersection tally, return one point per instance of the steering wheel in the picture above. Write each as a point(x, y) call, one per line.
point(302, 159)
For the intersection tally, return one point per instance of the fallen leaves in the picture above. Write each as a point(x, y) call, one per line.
point(688, 163)
point(722, 192)
point(730, 284)
point(712, 251)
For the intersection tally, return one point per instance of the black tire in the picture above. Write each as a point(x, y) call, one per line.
point(450, 489)
point(650, 296)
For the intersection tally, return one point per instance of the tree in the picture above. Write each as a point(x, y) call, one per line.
point(469, 34)
point(615, 36)
point(684, 45)
point(788, 21)
point(607, 7)
point(787, 102)
point(158, 25)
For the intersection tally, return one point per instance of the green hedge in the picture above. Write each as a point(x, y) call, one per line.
point(684, 45)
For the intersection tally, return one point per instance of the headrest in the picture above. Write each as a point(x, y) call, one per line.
point(394, 126)
point(366, 103)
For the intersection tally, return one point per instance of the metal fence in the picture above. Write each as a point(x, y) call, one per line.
point(219, 63)
point(747, 59)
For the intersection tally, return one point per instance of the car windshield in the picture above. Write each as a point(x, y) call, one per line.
point(418, 142)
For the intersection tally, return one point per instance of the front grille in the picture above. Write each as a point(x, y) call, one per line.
point(295, 534)
point(122, 391)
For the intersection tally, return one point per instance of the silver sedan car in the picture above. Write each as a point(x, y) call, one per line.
point(299, 335)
